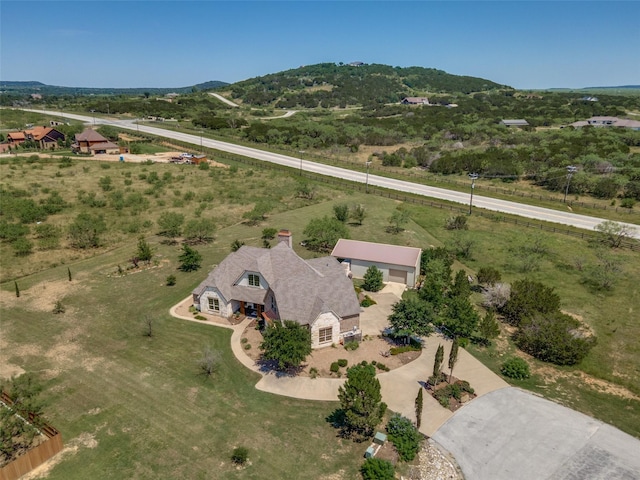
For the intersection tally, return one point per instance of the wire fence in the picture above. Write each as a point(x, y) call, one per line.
point(414, 199)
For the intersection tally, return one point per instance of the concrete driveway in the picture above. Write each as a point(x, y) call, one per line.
point(511, 434)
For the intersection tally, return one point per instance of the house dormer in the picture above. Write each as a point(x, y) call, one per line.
point(252, 279)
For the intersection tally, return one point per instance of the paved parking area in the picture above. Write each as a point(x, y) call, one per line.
point(511, 434)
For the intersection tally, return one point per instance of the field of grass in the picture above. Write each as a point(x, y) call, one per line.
point(136, 406)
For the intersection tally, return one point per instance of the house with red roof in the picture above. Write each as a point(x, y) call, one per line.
point(46, 138)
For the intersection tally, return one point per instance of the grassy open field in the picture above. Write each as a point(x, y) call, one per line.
point(136, 407)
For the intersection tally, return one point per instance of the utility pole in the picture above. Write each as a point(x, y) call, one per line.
point(473, 177)
point(94, 117)
point(366, 188)
point(570, 171)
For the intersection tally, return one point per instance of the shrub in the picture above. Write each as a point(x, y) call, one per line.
point(353, 345)
point(382, 366)
point(58, 307)
point(247, 346)
point(342, 362)
point(200, 317)
point(488, 276)
point(458, 222)
point(313, 372)
point(404, 436)
point(367, 301)
point(171, 280)
point(554, 338)
point(515, 367)
point(334, 367)
point(240, 455)
point(244, 340)
point(404, 348)
point(377, 469)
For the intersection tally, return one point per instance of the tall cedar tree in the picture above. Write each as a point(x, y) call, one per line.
point(453, 357)
point(373, 279)
point(419, 408)
point(361, 401)
point(144, 252)
point(437, 363)
point(189, 259)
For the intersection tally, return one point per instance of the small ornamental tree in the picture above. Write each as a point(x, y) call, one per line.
point(404, 436)
point(453, 357)
point(358, 213)
point(268, 234)
point(373, 279)
point(287, 343)
point(189, 259)
point(361, 401)
point(437, 364)
point(144, 252)
point(489, 328)
point(418, 404)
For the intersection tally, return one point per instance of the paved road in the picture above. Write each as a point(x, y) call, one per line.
point(504, 206)
point(225, 100)
point(511, 434)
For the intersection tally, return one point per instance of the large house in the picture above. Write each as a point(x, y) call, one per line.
point(415, 101)
point(397, 263)
point(276, 284)
point(45, 137)
point(90, 141)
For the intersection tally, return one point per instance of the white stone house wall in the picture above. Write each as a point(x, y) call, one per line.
point(325, 320)
point(226, 309)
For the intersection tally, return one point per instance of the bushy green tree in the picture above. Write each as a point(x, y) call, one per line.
point(341, 212)
point(373, 279)
point(412, 316)
point(488, 276)
point(358, 213)
point(287, 343)
point(170, 224)
point(85, 230)
point(144, 252)
point(361, 401)
point(459, 317)
point(528, 298)
point(199, 230)
point(488, 327)
point(268, 234)
point(404, 436)
point(258, 213)
point(322, 234)
point(189, 259)
point(460, 286)
point(437, 282)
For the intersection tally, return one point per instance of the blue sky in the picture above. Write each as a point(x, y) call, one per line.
point(540, 44)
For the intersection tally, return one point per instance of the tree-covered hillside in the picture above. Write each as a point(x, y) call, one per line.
point(337, 85)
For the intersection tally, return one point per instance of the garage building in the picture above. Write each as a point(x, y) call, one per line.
point(397, 264)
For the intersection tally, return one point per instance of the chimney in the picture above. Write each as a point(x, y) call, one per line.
point(285, 236)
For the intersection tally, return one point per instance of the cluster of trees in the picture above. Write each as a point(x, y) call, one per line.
point(441, 302)
point(543, 330)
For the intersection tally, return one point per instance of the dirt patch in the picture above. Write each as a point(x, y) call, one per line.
point(40, 297)
point(84, 440)
point(370, 349)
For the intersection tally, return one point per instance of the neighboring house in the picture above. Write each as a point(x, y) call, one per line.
point(90, 141)
point(356, 64)
point(589, 99)
point(415, 101)
point(276, 284)
point(397, 264)
point(515, 123)
point(604, 121)
point(45, 137)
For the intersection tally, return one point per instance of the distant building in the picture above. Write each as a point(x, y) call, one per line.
point(604, 121)
point(415, 101)
point(45, 137)
point(357, 64)
point(90, 141)
point(589, 99)
point(515, 123)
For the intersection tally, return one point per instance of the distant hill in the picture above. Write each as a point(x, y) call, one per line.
point(333, 85)
point(43, 89)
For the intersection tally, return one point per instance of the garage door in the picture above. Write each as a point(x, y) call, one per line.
point(398, 276)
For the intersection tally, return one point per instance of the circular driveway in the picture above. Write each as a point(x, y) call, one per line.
point(511, 434)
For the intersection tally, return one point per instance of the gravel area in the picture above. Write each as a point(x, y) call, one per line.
point(434, 465)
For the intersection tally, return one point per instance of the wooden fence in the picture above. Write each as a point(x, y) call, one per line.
point(37, 455)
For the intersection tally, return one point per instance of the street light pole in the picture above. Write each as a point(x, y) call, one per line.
point(366, 187)
point(473, 177)
point(301, 152)
point(570, 171)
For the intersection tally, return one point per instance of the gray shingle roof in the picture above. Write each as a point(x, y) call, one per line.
point(303, 289)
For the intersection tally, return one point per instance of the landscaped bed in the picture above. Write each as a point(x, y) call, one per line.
point(370, 349)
